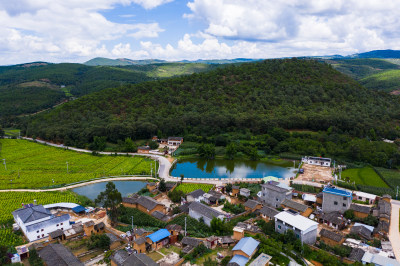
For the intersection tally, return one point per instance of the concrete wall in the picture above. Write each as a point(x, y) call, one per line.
point(32, 236)
point(197, 216)
point(333, 203)
point(309, 237)
point(273, 198)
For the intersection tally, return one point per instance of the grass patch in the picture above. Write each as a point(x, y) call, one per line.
point(11, 132)
point(169, 250)
point(155, 256)
point(34, 165)
point(364, 176)
point(392, 177)
point(189, 187)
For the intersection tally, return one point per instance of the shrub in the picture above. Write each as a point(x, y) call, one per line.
point(99, 241)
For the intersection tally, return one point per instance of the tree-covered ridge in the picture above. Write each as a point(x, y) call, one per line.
point(253, 97)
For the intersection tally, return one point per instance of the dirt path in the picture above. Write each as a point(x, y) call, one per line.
point(394, 234)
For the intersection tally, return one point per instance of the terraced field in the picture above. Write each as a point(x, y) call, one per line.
point(33, 165)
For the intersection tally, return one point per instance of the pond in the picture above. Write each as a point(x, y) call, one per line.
point(125, 187)
point(201, 168)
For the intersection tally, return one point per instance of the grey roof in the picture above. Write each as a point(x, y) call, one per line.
point(320, 195)
point(174, 227)
point(361, 231)
point(113, 238)
point(251, 204)
point(268, 211)
point(58, 255)
point(89, 223)
point(197, 193)
point(227, 240)
point(140, 259)
point(216, 194)
point(235, 187)
point(170, 185)
point(360, 208)
point(185, 207)
point(119, 257)
point(145, 201)
point(331, 235)
point(272, 185)
point(99, 226)
point(384, 208)
point(204, 210)
point(246, 190)
point(56, 233)
point(187, 249)
point(334, 217)
point(159, 215)
point(140, 240)
point(248, 227)
point(31, 213)
point(294, 205)
point(387, 196)
point(190, 241)
point(356, 254)
point(141, 231)
point(144, 148)
point(383, 226)
point(55, 220)
point(175, 138)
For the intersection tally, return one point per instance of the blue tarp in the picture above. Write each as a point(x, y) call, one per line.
point(338, 191)
point(239, 259)
point(159, 235)
point(247, 245)
point(78, 209)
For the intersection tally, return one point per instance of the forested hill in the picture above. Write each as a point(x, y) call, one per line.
point(252, 97)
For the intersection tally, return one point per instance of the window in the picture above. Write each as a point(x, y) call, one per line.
point(263, 194)
point(298, 236)
point(42, 230)
point(335, 203)
point(359, 197)
point(344, 198)
point(38, 236)
point(277, 199)
point(344, 204)
point(280, 227)
point(42, 235)
point(57, 224)
point(62, 228)
point(61, 223)
point(37, 231)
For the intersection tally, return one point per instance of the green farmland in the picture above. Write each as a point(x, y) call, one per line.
point(33, 165)
point(189, 187)
point(392, 177)
point(364, 176)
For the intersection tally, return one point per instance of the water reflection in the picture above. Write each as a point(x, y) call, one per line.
point(199, 168)
point(125, 187)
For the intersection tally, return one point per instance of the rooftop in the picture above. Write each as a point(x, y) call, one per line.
point(205, 210)
point(197, 193)
point(356, 254)
point(159, 235)
point(251, 204)
point(113, 238)
point(294, 205)
point(298, 221)
point(61, 205)
point(275, 186)
point(30, 213)
point(331, 235)
point(57, 254)
point(379, 260)
point(54, 220)
point(238, 260)
point(191, 241)
point(364, 195)
point(247, 244)
point(261, 260)
point(360, 208)
point(338, 191)
point(268, 211)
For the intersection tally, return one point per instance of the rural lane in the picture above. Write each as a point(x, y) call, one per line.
point(394, 234)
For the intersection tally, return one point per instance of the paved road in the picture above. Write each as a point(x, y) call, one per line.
point(394, 234)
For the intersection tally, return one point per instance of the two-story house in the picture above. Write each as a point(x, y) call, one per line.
point(274, 193)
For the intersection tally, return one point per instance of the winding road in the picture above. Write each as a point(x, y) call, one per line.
point(163, 171)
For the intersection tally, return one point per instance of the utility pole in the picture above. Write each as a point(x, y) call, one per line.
point(67, 167)
point(132, 223)
point(5, 165)
point(185, 225)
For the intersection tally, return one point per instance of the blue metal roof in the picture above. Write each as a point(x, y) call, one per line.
point(239, 259)
point(78, 209)
point(337, 191)
point(159, 235)
point(247, 245)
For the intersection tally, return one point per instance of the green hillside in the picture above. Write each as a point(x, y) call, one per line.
point(252, 97)
point(386, 80)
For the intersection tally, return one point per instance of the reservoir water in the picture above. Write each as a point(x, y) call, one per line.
point(125, 187)
point(201, 168)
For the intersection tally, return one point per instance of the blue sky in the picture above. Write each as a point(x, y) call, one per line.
point(78, 30)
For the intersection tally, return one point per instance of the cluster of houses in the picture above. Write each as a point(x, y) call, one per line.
point(172, 143)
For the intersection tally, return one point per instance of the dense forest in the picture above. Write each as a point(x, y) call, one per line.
point(253, 97)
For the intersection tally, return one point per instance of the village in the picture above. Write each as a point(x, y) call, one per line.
point(329, 218)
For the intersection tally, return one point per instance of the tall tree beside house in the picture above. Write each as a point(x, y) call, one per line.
point(206, 151)
point(110, 199)
point(162, 186)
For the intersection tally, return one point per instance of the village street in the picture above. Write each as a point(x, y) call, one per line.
point(394, 234)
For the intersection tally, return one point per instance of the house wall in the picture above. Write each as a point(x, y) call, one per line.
point(234, 192)
point(329, 200)
point(115, 245)
point(360, 214)
point(265, 218)
point(113, 263)
point(259, 206)
point(371, 201)
point(32, 236)
point(191, 199)
point(331, 242)
point(316, 162)
point(309, 237)
point(197, 216)
point(139, 248)
point(238, 235)
point(273, 198)
point(307, 212)
point(239, 252)
point(159, 208)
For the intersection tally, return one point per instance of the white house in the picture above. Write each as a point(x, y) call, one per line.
point(317, 161)
point(245, 192)
point(304, 228)
point(362, 196)
point(175, 141)
point(197, 195)
point(36, 222)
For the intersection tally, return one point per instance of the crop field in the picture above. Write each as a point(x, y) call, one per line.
point(392, 177)
point(10, 201)
point(364, 176)
point(33, 165)
point(189, 187)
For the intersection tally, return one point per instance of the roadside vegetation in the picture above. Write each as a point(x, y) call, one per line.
point(33, 165)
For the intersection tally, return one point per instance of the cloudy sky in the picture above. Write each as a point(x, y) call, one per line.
point(78, 30)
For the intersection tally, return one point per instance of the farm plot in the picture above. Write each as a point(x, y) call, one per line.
point(364, 176)
point(33, 165)
point(189, 187)
point(392, 177)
